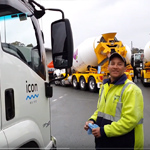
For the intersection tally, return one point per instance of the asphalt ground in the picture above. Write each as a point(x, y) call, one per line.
point(71, 108)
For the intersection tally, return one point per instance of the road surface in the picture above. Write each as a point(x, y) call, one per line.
point(71, 108)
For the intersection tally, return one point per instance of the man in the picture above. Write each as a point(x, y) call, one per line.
point(119, 113)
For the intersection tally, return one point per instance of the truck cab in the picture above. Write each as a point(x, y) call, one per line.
point(137, 63)
point(24, 82)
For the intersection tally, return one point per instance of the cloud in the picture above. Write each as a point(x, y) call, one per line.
point(129, 18)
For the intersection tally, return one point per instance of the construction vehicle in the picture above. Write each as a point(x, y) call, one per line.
point(51, 70)
point(90, 62)
point(25, 90)
point(145, 72)
point(137, 64)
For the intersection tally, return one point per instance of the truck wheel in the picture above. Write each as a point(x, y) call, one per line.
point(54, 148)
point(92, 84)
point(83, 85)
point(142, 79)
point(62, 83)
point(75, 84)
point(57, 83)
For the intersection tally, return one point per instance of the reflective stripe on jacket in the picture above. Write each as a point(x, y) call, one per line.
point(120, 112)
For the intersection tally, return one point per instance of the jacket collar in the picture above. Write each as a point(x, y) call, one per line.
point(119, 81)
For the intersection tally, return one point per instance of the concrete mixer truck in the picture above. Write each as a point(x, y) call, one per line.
point(90, 62)
point(145, 72)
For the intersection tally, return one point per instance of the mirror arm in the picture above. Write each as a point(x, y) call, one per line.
point(58, 78)
point(52, 9)
point(37, 4)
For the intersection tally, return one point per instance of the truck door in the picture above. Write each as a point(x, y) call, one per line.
point(25, 109)
point(3, 142)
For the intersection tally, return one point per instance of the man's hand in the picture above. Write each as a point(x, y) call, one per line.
point(96, 132)
point(86, 127)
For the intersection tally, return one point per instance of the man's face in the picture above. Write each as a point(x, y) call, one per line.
point(116, 68)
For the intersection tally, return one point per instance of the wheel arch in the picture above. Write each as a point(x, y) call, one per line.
point(24, 133)
point(30, 144)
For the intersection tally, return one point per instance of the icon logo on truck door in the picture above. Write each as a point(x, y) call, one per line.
point(31, 88)
point(32, 96)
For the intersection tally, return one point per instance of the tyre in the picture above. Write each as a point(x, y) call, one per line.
point(75, 84)
point(54, 148)
point(83, 85)
point(143, 82)
point(142, 79)
point(92, 84)
point(57, 83)
point(62, 83)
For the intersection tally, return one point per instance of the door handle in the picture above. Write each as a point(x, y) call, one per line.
point(9, 104)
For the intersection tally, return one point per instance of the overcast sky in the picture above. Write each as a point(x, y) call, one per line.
point(90, 18)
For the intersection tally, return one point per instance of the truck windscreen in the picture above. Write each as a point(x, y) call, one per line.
point(19, 38)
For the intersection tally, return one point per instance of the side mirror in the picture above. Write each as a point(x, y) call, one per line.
point(62, 44)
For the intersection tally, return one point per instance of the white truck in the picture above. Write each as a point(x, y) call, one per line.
point(145, 72)
point(137, 64)
point(25, 90)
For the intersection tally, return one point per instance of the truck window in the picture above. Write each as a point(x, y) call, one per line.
point(18, 38)
point(137, 57)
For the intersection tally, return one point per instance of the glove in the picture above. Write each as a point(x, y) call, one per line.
point(91, 126)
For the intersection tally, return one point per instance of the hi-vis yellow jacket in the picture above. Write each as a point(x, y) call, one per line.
point(120, 115)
